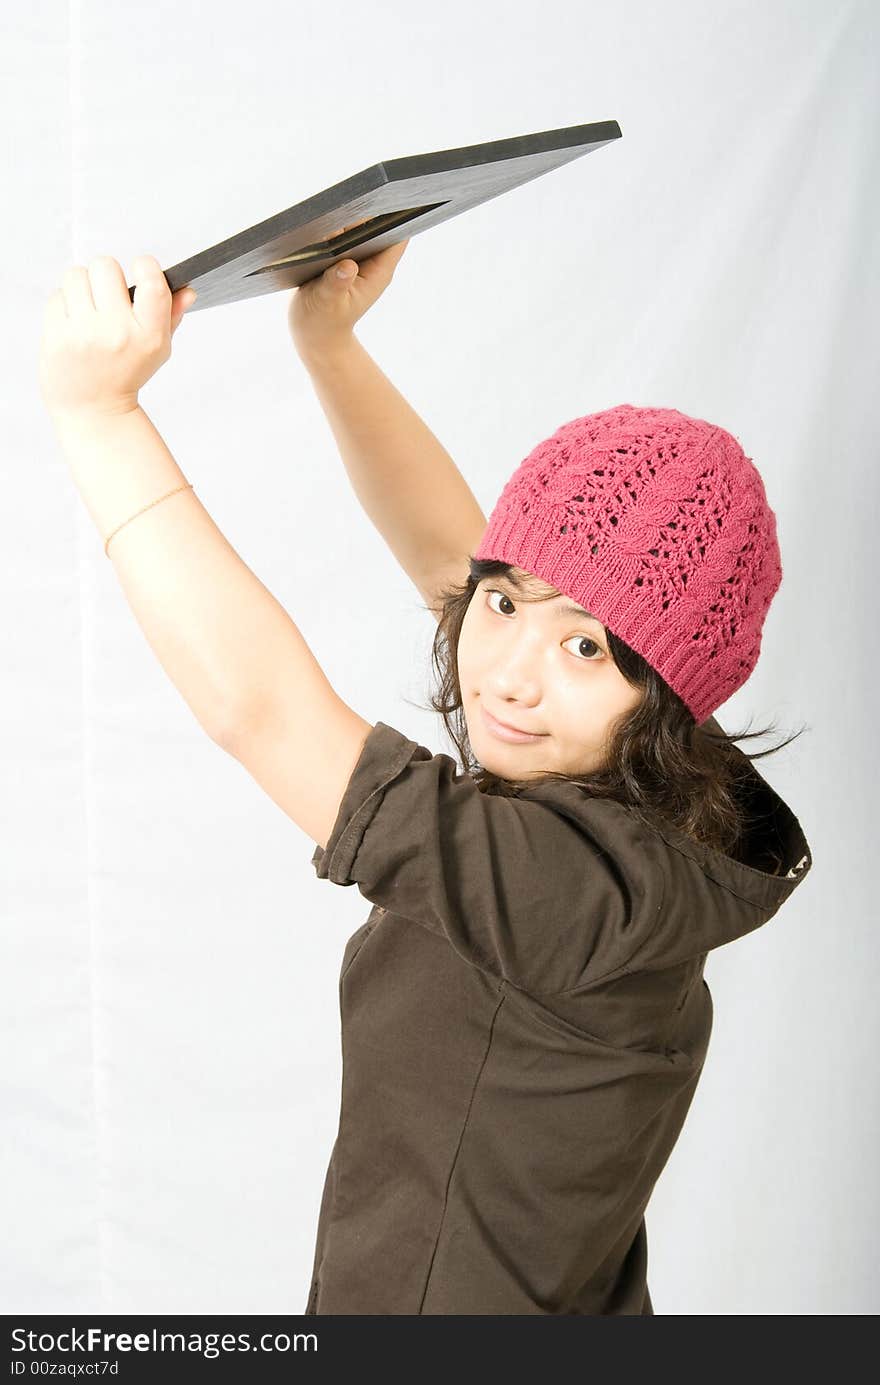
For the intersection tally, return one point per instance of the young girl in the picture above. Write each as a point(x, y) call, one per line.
point(524, 1014)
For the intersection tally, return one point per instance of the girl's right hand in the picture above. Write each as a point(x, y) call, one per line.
point(322, 313)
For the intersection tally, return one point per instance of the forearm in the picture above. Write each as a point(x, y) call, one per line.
point(404, 478)
point(203, 611)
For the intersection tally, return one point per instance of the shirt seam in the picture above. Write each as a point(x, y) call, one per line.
point(454, 1163)
point(353, 825)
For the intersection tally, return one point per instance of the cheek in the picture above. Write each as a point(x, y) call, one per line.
point(469, 645)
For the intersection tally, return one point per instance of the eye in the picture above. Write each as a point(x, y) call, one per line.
point(579, 639)
point(492, 591)
point(588, 639)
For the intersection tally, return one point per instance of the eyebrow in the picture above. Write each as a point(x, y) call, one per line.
point(576, 611)
point(560, 610)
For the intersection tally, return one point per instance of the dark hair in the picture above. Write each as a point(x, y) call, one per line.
point(659, 762)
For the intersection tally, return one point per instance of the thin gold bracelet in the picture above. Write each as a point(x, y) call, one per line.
point(140, 512)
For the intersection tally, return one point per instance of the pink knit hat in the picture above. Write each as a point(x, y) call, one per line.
point(659, 524)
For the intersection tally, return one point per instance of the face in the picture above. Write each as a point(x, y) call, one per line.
point(540, 669)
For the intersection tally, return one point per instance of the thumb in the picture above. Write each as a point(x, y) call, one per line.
point(342, 273)
point(179, 304)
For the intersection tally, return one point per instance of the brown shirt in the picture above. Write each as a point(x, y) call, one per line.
point(524, 1022)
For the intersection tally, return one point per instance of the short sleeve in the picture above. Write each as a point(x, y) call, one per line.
point(517, 888)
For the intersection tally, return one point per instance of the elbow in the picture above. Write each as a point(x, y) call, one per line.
point(228, 728)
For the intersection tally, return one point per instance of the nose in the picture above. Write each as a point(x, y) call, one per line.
point(513, 679)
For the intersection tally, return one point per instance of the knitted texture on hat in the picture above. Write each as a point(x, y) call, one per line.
point(659, 524)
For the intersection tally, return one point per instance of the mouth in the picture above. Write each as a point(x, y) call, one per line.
point(508, 733)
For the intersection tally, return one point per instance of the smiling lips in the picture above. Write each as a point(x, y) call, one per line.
point(508, 733)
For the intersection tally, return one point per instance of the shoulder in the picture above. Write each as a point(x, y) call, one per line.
point(541, 888)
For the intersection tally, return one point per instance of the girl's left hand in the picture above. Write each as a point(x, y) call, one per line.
point(98, 347)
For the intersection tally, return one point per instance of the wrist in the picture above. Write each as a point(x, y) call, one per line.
point(91, 416)
point(118, 462)
point(327, 355)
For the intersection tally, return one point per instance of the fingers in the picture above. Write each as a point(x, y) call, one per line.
point(103, 288)
point(109, 287)
point(180, 301)
point(76, 290)
point(152, 296)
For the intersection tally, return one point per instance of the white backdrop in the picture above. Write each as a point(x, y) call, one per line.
point(169, 1047)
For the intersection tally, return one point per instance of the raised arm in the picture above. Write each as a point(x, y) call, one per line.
point(220, 635)
point(230, 648)
point(404, 478)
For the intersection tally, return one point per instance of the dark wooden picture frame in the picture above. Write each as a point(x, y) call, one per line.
point(373, 209)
